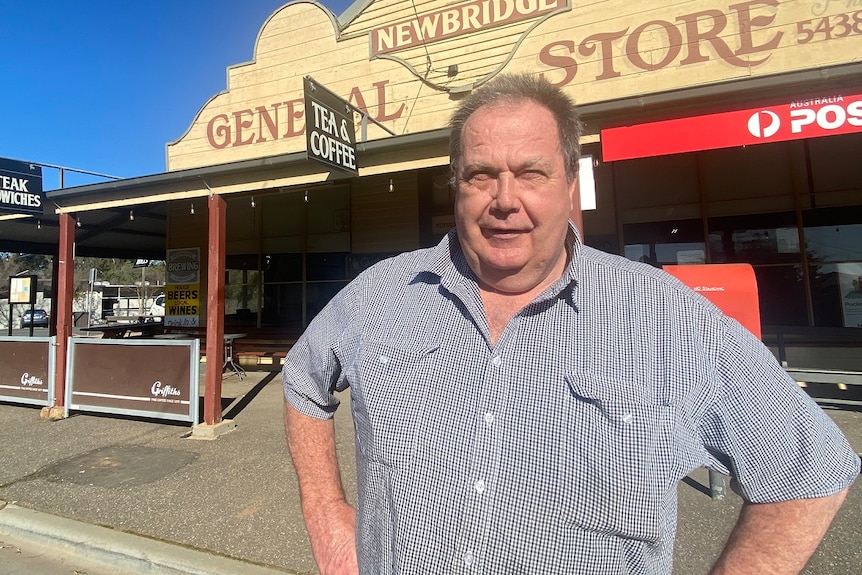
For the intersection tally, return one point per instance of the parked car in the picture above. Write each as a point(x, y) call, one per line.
point(158, 307)
point(36, 318)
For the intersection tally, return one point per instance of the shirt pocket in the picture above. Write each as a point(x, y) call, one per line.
point(618, 458)
point(388, 395)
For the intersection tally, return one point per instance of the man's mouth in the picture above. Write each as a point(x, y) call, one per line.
point(502, 233)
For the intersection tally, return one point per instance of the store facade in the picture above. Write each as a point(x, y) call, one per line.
point(407, 66)
point(297, 231)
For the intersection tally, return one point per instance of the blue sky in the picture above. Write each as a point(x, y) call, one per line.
point(103, 85)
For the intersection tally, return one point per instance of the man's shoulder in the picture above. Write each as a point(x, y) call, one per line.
point(592, 260)
point(404, 264)
point(634, 279)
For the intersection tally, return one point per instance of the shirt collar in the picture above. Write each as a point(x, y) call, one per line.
point(447, 262)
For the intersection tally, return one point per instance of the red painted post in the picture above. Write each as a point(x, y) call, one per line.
point(215, 308)
point(63, 310)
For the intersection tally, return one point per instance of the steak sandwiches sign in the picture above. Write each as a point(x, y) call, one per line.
point(330, 133)
point(20, 187)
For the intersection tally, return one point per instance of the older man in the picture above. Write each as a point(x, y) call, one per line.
point(525, 404)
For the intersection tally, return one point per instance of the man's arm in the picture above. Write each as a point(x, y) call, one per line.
point(330, 520)
point(777, 538)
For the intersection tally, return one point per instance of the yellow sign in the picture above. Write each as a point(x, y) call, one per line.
point(182, 305)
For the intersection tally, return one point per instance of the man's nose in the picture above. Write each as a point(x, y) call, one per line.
point(506, 199)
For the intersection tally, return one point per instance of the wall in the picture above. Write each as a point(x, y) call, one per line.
point(598, 51)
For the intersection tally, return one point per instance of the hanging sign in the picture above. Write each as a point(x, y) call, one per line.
point(183, 288)
point(827, 115)
point(330, 134)
point(20, 187)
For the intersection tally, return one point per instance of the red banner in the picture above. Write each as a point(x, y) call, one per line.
point(808, 118)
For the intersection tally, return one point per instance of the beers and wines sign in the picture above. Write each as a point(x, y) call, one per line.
point(330, 135)
point(20, 187)
point(183, 288)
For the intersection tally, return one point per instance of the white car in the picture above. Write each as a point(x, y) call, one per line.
point(158, 306)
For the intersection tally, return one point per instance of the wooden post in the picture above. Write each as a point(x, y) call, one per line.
point(63, 309)
point(215, 308)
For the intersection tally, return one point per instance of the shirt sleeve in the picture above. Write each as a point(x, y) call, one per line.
point(775, 440)
point(312, 371)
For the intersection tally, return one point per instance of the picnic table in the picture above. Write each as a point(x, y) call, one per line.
point(119, 330)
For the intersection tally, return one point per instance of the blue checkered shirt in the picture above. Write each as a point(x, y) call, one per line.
point(559, 449)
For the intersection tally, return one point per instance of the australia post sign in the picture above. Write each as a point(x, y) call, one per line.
point(20, 187)
point(825, 115)
point(330, 134)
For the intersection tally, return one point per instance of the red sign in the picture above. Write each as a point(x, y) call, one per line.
point(731, 287)
point(800, 119)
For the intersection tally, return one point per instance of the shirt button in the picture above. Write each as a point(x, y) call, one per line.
point(384, 359)
point(468, 558)
point(497, 360)
point(479, 486)
point(628, 418)
point(489, 418)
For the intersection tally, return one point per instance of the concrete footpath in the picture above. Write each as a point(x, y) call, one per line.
point(142, 496)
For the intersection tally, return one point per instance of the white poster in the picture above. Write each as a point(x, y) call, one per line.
point(850, 284)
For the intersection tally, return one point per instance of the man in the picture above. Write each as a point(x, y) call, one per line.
point(525, 404)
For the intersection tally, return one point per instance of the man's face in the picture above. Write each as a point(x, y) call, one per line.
point(513, 199)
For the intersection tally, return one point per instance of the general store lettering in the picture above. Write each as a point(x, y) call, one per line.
point(282, 120)
point(683, 42)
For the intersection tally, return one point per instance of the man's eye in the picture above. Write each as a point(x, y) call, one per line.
point(532, 175)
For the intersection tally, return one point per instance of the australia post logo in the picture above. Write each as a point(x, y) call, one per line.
point(827, 115)
point(808, 118)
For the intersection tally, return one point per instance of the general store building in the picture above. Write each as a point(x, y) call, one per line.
point(717, 131)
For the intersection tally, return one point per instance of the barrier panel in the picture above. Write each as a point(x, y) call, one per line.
point(27, 369)
point(146, 378)
point(731, 287)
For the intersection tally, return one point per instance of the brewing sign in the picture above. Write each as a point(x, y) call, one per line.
point(182, 288)
point(330, 134)
point(20, 187)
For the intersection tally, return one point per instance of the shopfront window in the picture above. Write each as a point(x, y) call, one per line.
point(242, 290)
point(754, 239)
point(305, 244)
point(834, 249)
point(781, 291)
point(662, 243)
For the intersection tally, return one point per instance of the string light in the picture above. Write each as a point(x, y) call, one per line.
point(192, 210)
point(131, 215)
point(252, 202)
point(306, 196)
point(38, 224)
point(391, 186)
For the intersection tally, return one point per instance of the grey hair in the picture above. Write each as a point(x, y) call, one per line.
point(513, 88)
